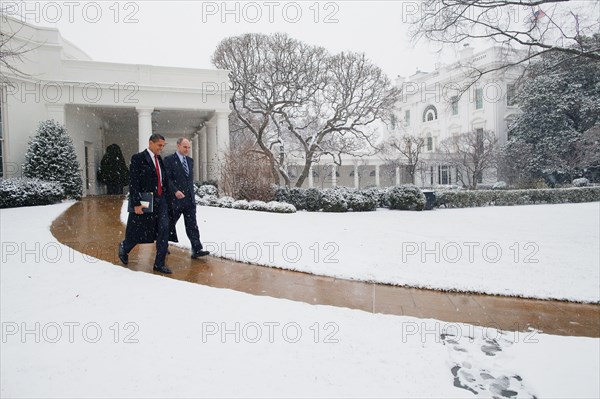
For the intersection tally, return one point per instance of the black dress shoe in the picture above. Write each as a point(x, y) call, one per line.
point(197, 254)
point(123, 257)
point(162, 269)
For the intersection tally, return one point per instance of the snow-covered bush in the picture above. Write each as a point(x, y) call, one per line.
point(406, 197)
point(230, 202)
point(205, 190)
point(359, 202)
point(484, 186)
point(280, 207)
point(241, 204)
point(376, 194)
point(258, 206)
point(226, 202)
point(16, 192)
point(333, 200)
point(294, 196)
point(51, 157)
point(581, 182)
point(297, 197)
point(466, 199)
point(282, 194)
point(208, 200)
point(499, 185)
point(312, 199)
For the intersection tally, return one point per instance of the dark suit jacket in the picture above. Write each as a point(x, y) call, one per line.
point(142, 178)
point(178, 181)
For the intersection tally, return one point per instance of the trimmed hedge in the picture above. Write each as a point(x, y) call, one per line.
point(208, 195)
point(410, 197)
point(407, 197)
point(467, 199)
point(333, 199)
point(24, 191)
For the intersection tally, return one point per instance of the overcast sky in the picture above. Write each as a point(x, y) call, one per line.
point(186, 33)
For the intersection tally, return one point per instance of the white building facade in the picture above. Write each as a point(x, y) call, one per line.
point(431, 108)
point(107, 103)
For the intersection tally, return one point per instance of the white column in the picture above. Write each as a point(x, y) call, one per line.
point(203, 159)
point(144, 127)
point(196, 155)
point(356, 175)
point(333, 175)
point(222, 135)
point(212, 151)
point(397, 175)
point(310, 177)
point(377, 175)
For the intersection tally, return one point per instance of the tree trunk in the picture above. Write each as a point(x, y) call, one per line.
point(305, 171)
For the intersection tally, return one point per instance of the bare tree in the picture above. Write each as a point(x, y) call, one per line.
point(532, 26)
point(472, 154)
point(246, 173)
point(296, 97)
point(407, 150)
point(422, 169)
point(10, 53)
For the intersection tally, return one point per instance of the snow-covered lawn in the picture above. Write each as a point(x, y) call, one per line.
point(74, 327)
point(538, 251)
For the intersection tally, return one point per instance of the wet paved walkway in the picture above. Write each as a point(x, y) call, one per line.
point(93, 227)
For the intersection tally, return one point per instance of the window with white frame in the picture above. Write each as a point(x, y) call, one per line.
point(444, 175)
point(479, 98)
point(431, 175)
point(407, 117)
point(429, 143)
point(510, 95)
point(454, 105)
point(430, 114)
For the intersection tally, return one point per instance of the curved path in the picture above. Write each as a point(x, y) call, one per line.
point(92, 226)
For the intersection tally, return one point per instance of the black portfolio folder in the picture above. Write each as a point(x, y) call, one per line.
point(145, 199)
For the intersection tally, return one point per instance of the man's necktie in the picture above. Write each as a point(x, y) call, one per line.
point(186, 169)
point(158, 175)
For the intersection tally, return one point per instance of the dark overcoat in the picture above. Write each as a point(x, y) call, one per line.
point(142, 229)
point(179, 181)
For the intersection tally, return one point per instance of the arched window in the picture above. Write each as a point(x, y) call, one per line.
point(430, 114)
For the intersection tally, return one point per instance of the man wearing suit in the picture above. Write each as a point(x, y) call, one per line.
point(180, 168)
point(148, 174)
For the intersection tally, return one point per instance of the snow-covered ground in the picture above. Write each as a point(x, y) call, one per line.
point(76, 327)
point(538, 251)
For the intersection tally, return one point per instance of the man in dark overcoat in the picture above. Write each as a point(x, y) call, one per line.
point(180, 168)
point(148, 174)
